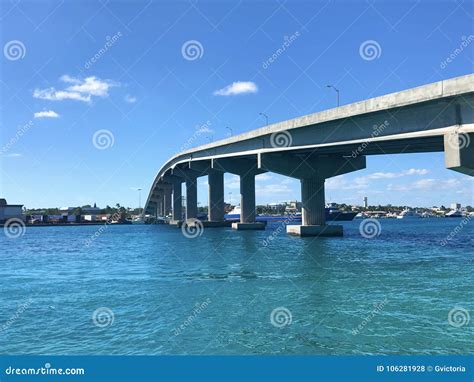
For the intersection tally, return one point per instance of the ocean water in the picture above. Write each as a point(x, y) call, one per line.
point(156, 291)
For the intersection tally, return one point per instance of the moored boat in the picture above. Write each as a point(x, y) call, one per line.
point(454, 214)
point(332, 214)
point(408, 214)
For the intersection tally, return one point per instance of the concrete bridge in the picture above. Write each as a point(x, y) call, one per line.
point(315, 147)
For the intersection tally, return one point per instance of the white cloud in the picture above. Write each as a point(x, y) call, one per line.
point(391, 175)
point(341, 183)
point(46, 114)
point(263, 177)
point(92, 86)
point(239, 87)
point(233, 182)
point(416, 171)
point(427, 185)
point(130, 99)
point(204, 129)
point(80, 90)
point(269, 190)
point(13, 155)
point(363, 182)
point(69, 79)
point(51, 94)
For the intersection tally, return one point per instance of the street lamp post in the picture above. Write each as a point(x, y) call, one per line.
point(266, 117)
point(139, 199)
point(230, 130)
point(337, 91)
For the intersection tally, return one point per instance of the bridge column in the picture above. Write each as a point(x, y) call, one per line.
point(168, 199)
point(159, 205)
point(215, 192)
point(312, 170)
point(216, 196)
point(459, 152)
point(313, 201)
point(246, 169)
point(247, 198)
point(191, 198)
point(177, 202)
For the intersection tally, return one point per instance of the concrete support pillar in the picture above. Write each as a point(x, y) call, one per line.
point(459, 152)
point(191, 198)
point(313, 214)
point(160, 206)
point(246, 169)
point(312, 171)
point(177, 202)
point(167, 201)
point(216, 196)
point(247, 198)
point(313, 201)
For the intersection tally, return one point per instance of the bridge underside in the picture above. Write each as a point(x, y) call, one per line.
point(314, 152)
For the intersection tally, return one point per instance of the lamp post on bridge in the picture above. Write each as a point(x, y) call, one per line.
point(139, 199)
point(230, 131)
point(337, 91)
point(266, 117)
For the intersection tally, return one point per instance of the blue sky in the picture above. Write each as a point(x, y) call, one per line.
point(105, 125)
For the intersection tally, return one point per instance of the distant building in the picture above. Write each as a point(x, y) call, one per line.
point(91, 210)
point(65, 211)
point(90, 218)
point(455, 206)
point(366, 202)
point(293, 207)
point(9, 211)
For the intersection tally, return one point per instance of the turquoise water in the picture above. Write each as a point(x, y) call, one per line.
point(214, 294)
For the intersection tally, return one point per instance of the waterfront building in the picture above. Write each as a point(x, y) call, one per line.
point(455, 206)
point(9, 211)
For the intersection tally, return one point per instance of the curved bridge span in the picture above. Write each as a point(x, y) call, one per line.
point(430, 118)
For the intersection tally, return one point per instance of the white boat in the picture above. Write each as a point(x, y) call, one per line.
point(454, 214)
point(234, 214)
point(408, 214)
point(138, 220)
